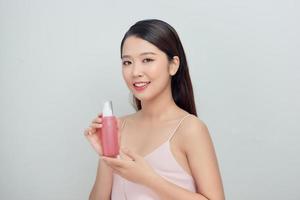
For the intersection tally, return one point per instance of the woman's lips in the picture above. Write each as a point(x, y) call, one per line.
point(140, 86)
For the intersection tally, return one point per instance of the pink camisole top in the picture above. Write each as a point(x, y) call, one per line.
point(164, 163)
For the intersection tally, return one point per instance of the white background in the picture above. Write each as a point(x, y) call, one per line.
point(60, 60)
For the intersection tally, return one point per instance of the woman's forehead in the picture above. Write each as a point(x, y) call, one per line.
point(134, 46)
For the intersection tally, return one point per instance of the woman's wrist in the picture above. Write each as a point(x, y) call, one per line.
point(104, 166)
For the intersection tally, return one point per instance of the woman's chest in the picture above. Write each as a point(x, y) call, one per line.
point(144, 138)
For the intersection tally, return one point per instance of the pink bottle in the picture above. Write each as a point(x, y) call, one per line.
point(109, 136)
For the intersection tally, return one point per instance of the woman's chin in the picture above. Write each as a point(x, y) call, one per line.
point(141, 97)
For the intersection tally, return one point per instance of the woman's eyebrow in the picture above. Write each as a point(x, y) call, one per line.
point(142, 54)
point(145, 53)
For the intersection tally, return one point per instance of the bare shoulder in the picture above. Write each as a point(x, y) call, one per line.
point(194, 130)
point(193, 126)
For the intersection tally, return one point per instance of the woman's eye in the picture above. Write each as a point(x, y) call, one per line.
point(126, 62)
point(147, 60)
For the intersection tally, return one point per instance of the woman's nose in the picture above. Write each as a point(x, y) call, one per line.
point(137, 70)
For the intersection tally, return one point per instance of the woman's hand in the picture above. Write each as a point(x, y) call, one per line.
point(132, 167)
point(93, 134)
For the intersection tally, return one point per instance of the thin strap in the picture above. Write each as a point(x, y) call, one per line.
point(174, 131)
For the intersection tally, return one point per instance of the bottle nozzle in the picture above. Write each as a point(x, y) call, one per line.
point(107, 109)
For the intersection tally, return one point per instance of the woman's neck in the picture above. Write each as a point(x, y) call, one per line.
point(159, 109)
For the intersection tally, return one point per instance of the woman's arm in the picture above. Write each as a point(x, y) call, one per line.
point(103, 183)
point(169, 191)
point(203, 161)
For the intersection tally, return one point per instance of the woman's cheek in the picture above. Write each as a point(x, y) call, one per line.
point(125, 80)
point(126, 72)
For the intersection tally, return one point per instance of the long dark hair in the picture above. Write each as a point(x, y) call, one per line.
point(165, 38)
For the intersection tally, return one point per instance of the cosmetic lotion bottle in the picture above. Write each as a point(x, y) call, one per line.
point(109, 135)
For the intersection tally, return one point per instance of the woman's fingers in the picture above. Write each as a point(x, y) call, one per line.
point(87, 132)
point(97, 120)
point(93, 132)
point(92, 129)
point(96, 125)
point(94, 140)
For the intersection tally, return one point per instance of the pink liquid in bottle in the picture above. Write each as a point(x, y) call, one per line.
point(109, 136)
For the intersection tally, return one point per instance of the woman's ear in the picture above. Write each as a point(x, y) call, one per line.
point(174, 65)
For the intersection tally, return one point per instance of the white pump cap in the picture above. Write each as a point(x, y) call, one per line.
point(107, 109)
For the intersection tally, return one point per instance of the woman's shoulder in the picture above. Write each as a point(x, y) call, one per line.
point(194, 120)
point(193, 128)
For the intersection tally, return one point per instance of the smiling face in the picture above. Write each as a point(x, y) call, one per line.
point(143, 62)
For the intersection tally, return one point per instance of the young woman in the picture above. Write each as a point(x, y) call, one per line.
point(166, 150)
